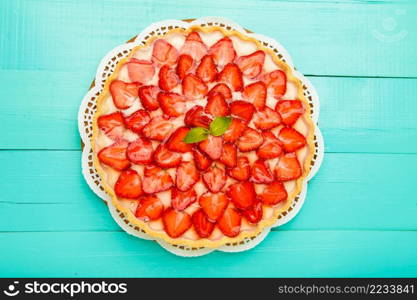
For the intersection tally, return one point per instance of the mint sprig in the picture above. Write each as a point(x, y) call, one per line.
point(217, 128)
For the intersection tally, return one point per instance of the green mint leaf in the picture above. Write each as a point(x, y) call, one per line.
point(196, 134)
point(219, 125)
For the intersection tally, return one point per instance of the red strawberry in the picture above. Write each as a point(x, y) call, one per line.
point(266, 119)
point(181, 200)
point(128, 185)
point(212, 146)
point(242, 110)
point(276, 81)
point(223, 51)
point(176, 141)
point(158, 128)
point(261, 172)
point(213, 205)
point(254, 214)
point(137, 120)
point(166, 158)
point(176, 223)
point(193, 88)
point(156, 180)
point(168, 79)
point(202, 225)
point(207, 69)
point(115, 155)
point(215, 178)
point(140, 71)
point(249, 140)
point(164, 53)
point(288, 167)
point(112, 125)
point(271, 147)
point(217, 106)
point(150, 208)
point(232, 76)
point(242, 194)
point(255, 93)
point(194, 46)
point(123, 94)
point(229, 155)
point(235, 130)
point(289, 110)
point(184, 66)
point(242, 170)
point(187, 175)
point(273, 193)
point(251, 65)
point(148, 97)
point(195, 117)
point(202, 162)
point(223, 89)
point(140, 151)
point(230, 222)
point(291, 139)
point(172, 104)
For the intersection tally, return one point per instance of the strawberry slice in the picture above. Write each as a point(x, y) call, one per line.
point(140, 151)
point(184, 66)
point(195, 117)
point(223, 51)
point(137, 120)
point(235, 130)
point(181, 200)
point(273, 193)
point(158, 128)
point(266, 119)
point(217, 106)
point(254, 213)
point(212, 146)
point(202, 162)
point(172, 104)
point(156, 180)
point(290, 111)
point(251, 65)
point(215, 178)
point(288, 167)
point(123, 94)
point(230, 222)
point(261, 172)
point(194, 46)
point(291, 139)
point(242, 110)
point(163, 53)
point(271, 147)
point(165, 158)
point(176, 141)
point(207, 69)
point(242, 194)
point(150, 208)
point(168, 79)
point(140, 71)
point(250, 140)
point(223, 89)
point(115, 155)
point(128, 185)
point(213, 205)
point(112, 125)
point(232, 76)
point(229, 155)
point(187, 175)
point(148, 97)
point(193, 87)
point(255, 93)
point(276, 81)
point(202, 225)
point(242, 170)
point(176, 223)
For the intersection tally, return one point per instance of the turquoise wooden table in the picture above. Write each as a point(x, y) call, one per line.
point(360, 215)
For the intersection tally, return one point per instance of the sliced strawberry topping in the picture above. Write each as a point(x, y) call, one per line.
point(223, 51)
point(168, 79)
point(250, 140)
point(164, 53)
point(261, 172)
point(271, 147)
point(187, 175)
point(194, 46)
point(115, 155)
point(215, 178)
point(156, 180)
point(202, 162)
point(148, 97)
point(165, 158)
point(172, 104)
point(140, 71)
point(212, 146)
point(123, 94)
point(158, 128)
point(242, 110)
point(150, 208)
point(235, 130)
point(276, 81)
point(217, 106)
point(176, 223)
point(242, 194)
point(229, 155)
point(291, 139)
point(223, 89)
point(193, 87)
point(207, 69)
point(112, 125)
point(213, 205)
point(266, 119)
point(290, 110)
point(140, 151)
point(232, 76)
point(288, 167)
point(230, 222)
point(255, 93)
point(251, 65)
point(254, 213)
point(273, 193)
point(137, 120)
point(128, 185)
point(195, 117)
point(176, 141)
point(242, 170)
point(184, 66)
point(202, 225)
point(181, 200)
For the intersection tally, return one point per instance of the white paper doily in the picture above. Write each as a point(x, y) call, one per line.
point(88, 108)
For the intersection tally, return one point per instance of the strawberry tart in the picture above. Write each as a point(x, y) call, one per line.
point(202, 136)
